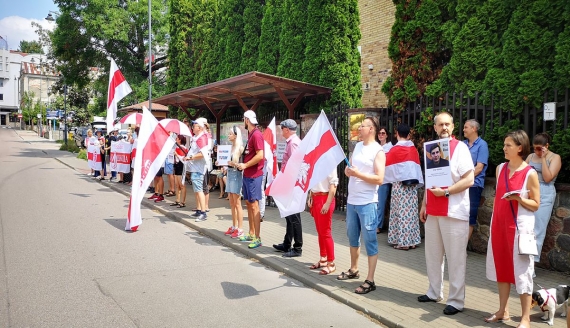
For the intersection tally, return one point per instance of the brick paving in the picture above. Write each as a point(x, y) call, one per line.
point(400, 275)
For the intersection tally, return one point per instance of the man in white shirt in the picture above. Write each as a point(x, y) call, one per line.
point(445, 212)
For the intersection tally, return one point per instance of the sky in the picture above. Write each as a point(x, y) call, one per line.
point(16, 17)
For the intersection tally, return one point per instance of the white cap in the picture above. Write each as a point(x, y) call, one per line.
point(250, 115)
point(200, 121)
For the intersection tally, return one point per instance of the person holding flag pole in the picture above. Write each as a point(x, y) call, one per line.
point(366, 173)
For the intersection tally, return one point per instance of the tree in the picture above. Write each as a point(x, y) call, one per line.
point(232, 17)
point(269, 39)
point(181, 46)
point(252, 20)
point(86, 36)
point(419, 48)
point(32, 47)
point(331, 56)
point(292, 39)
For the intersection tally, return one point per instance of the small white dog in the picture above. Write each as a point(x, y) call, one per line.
point(550, 300)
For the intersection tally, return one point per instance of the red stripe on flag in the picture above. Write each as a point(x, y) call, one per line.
point(117, 79)
point(153, 147)
point(400, 154)
point(327, 142)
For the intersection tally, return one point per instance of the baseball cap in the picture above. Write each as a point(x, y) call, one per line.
point(289, 124)
point(200, 121)
point(250, 115)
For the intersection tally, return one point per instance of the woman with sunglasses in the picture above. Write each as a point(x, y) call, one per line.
point(385, 189)
point(234, 184)
point(547, 164)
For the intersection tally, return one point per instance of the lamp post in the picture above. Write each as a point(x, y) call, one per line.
point(51, 17)
point(41, 110)
point(65, 115)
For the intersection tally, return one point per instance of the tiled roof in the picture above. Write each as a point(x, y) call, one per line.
point(33, 68)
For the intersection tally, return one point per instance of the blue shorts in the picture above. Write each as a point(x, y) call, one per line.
point(362, 218)
point(168, 168)
point(197, 181)
point(474, 201)
point(251, 190)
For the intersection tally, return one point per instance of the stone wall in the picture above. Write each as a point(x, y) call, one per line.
point(376, 20)
point(556, 249)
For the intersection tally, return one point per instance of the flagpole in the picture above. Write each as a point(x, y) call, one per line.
point(149, 57)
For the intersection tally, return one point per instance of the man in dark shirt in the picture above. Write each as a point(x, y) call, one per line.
point(436, 160)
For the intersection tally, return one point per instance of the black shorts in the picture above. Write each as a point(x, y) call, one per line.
point(178, 168)
point(160, 172)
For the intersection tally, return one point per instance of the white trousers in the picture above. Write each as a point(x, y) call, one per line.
point(446, 237)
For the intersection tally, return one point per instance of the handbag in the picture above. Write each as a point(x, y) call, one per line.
point(526, 241)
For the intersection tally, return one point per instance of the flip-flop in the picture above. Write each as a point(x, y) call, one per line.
point(494, 318)
point(402, 248)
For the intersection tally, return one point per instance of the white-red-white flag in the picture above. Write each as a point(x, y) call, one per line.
point(316, 157)
point(270, 151)
point(118, 89)
point(153, 145)
point(94, 159)
point(403, 164)
point(120, 157)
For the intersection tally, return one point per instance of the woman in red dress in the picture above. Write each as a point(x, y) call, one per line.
point(504, 264)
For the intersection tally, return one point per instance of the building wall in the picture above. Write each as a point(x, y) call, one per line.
point(376, 20)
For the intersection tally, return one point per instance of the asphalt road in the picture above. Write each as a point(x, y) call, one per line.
point(67, 262)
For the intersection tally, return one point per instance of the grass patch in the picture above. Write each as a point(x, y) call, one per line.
point(82, 154)
point(70, 147)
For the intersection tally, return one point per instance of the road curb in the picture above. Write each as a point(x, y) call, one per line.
point(277, 266)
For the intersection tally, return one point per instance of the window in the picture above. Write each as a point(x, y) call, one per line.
point(1, 96)
point(1, 83)
point(1, 64)
point(7, 64)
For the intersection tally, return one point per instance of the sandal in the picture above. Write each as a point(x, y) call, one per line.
point(494, 318)
point(175, 204)
point(181, 205)
point(170, 193)
point(318, 265)
point(364, 289)
point(402, 248)
point(330, 268)
point(349, 274)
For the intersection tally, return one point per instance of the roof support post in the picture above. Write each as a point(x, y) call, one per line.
point(290, 107)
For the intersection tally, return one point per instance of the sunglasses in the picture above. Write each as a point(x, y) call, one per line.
point(382, 133)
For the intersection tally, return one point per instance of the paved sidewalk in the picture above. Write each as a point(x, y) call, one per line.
point(400, 275)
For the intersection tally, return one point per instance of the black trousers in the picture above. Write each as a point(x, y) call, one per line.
point(294, 232)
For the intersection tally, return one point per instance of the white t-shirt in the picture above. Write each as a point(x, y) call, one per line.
point(323, 186)
point(460, 164)
point(359, 191)
point(387, 146)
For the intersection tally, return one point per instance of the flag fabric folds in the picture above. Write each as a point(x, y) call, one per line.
point(120, 159)
point(403, 164)
point(94, 159)
point(153, 145)
point(270, 150)
point(317, 156)
point(118, 89)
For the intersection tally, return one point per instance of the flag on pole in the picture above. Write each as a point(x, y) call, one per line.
point(153, 145)
point(317, 156)
point(403, 164)
point(118, 89)
point(270, 150)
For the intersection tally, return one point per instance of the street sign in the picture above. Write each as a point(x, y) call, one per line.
point(550, 111)
point(39, 115)
point(20, 115)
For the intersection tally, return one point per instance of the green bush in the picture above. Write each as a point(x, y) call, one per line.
point(82, 154)
point(71, 147)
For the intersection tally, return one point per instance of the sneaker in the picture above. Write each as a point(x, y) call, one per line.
point(237, 233)
point(158, 199)
point(201, 217)
point(255, 243)
point(154, 196)
point(246, 238)
point(113, 179)
point(196, 214)
point(150, 189)
point(230, 231)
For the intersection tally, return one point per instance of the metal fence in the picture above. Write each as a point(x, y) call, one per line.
point(489, 111)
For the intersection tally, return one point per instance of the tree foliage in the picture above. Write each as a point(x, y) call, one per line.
point(34, 47)
point(269, 39)
point(292, 41)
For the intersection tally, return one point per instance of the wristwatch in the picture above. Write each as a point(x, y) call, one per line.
point(446, 193)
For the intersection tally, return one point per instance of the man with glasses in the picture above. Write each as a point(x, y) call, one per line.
point(436, 160)
point(480, 156)
point(252, 168)
point(445, 212)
